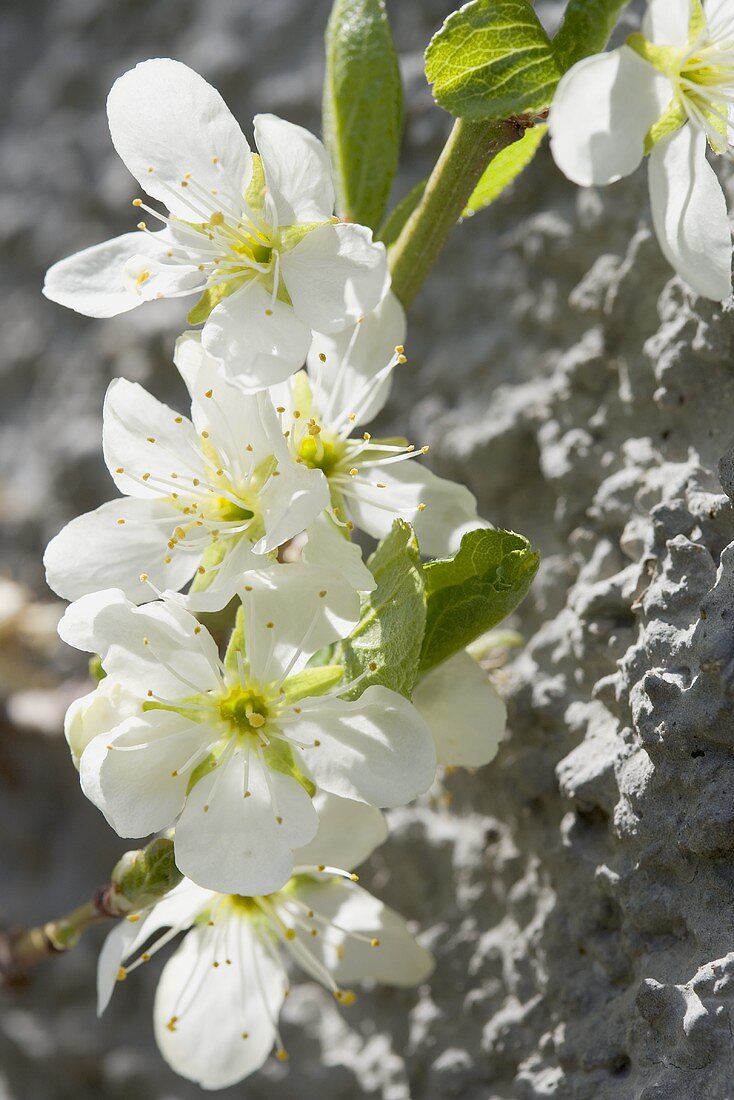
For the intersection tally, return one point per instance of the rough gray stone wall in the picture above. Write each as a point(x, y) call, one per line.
point(578, 893)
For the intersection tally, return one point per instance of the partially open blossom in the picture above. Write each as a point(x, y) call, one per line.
point(254, 234)
point(204, 498)
point(667, 94)
point(220, 995)
point(232, 751)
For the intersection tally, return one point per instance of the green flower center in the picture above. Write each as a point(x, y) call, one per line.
point(243, 710)
point(320, 453)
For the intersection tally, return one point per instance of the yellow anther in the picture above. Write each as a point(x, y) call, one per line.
point(374, 942)
point(151, 439)
point(345, 996)
point(381, 485)
point(353, 472)
point(280, 408)
point(134, 918)
point(256, 720)
point(205, 435)
point(321, 867)
point(281, 1054)
point(144, 578)
point(366, 436)
point(421, 507)
point(268, 312)
point(137, 202)
point(197, 630)
point(290, 933)
point(270, 625)
point(425, 450)
point(354, 878)
point(146, 477)
point(201, 570)
point(402, 359)
point(217, 218)
point(322, 593)
point(245, 1035)
point(120, 470)
point(208, 393)
point(372, 666)
point(141, 226)
point(171, 1025)
point(399, 349)
point(296, 414)
point(167, 560)
point(178, 420)
point(215, 160)
point(121, 974)
point(121, 521)
point(142, 278)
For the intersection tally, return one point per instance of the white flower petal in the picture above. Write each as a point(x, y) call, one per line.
point(348, 833)
point(689, 213)
point(136, 788)
point(450, 509)
point(116, 543)
point(329, 546)
point(97, 712)
point(94, 281)
point(463, 710)
point(290, 502)
point(344, 380)
point(398, 959)
point(602, 109)
point(335, 275)
point(233, 419)
point(159, 646)
point(224, 1015)
point(666, 21)
point(237, 845)
point(376, 749)
point(259, 339)
point(142, 435)
point(238, 560)
point(164, 116)
point(297, 171)
point(114, 949)
point(303, 620)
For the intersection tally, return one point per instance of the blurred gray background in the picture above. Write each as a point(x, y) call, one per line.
point(577, 893)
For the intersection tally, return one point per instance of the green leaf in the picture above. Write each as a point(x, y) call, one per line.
point(492, 59)
point(390, 631)
point(392, 227)
point(504, 168)
point(474, 591)
point(362, 109)
point(586, 29)
point(311, 681)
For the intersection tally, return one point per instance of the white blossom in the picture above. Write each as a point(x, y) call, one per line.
point(253, 233)
point(205, 498)
point(371, 481)
point(669, 94)
point(232, 751)
point(220, 995)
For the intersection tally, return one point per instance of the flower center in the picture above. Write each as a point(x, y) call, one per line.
point(319, 451)
point(244, 710)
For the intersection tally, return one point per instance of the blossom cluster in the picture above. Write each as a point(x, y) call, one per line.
point(668, 94)
point(267, 761)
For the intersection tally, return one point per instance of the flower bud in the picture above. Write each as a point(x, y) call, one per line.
point(143, 877)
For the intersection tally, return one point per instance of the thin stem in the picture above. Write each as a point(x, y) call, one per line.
point(468, 151)
point(23, 949)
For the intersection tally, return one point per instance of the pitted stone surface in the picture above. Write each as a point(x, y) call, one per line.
point(579, 892)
